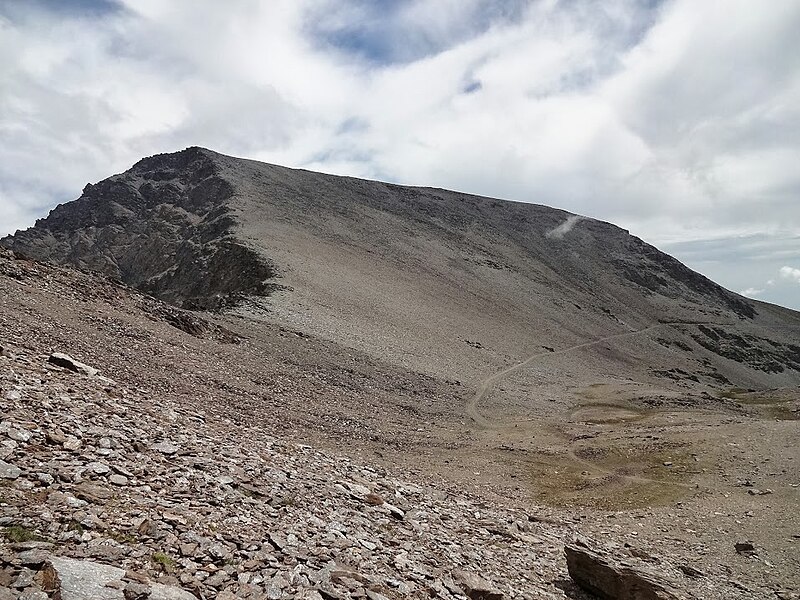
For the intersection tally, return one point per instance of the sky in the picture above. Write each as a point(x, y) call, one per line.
point(678, 120)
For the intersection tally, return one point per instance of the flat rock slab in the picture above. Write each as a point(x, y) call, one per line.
point(165, 447)
point(92, 492)
point(67, 362)
point(609, 579)
point(72, 579)
point(476, 587)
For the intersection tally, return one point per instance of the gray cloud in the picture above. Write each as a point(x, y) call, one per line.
point(676, 120)
point(753, 263)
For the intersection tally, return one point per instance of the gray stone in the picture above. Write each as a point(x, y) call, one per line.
point(610, 580)
point(45, 478)
point(7, 594)
point(159, 591)
point(24, 579)
point(98, 468)
point(476, 587)
point(219, 552)
point(165, 447)
point(82, 579)
point(33, 595)
point(8, 471)
point(136, 591)
point(19, 435)
point(66, 361)
point(217, 579)
point(119, 480)
point(33, 557)
point(72, 443)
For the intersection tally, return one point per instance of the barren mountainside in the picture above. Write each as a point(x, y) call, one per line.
point(438, 281)
point(176, 221)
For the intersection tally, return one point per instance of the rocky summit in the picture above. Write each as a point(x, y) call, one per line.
point(226, 379)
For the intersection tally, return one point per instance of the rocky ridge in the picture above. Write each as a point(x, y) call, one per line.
point(164, 227)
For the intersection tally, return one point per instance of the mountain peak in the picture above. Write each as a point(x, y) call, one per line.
point(164, 226)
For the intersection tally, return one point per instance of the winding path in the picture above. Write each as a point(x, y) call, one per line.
point(488, 383)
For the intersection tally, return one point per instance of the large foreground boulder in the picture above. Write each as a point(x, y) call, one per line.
point(73, 579)
point(611, 579)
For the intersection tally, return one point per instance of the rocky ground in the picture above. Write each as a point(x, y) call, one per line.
point(174, 499)
point(170, 466)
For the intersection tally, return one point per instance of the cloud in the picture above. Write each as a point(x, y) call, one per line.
point(739, 261)
point(751, 292)
point(677, 120)
point(563, 229)
point(790, 273)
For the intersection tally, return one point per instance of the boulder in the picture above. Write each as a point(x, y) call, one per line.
point(610, 579)
point(159, 591)
point(71, 579)
point(8, 471)
point(66, 361)
point(476, 587)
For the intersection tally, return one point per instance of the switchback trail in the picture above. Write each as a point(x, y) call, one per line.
point(486, 384)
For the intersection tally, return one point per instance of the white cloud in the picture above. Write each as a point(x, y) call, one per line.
point(751, 292)
point(563, 229)
point(790, 273)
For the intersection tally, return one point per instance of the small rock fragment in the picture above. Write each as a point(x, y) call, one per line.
point(165, 447)
point(98, 468)
point(119, 480)
point(476, 587)
point(136, 591)
point(9, 471)
point(72, 443)
point(746, 548)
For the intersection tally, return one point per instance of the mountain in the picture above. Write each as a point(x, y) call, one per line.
point(441, 282)
point(152, 472)
point(301, 385)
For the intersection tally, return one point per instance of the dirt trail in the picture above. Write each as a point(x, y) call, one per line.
point(486, 384)
point(633, 478)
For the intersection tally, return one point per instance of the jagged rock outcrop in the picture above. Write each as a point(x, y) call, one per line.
point(164, 227)
point(65, 360)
